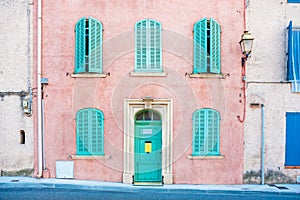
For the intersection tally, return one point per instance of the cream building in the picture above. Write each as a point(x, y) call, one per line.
point(16, 122)
point(272, 103)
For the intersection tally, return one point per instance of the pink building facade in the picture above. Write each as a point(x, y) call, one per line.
point(143, 92)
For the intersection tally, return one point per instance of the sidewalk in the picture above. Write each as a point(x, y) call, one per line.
point(28, 182)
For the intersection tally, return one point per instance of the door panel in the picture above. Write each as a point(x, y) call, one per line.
point(148, 144)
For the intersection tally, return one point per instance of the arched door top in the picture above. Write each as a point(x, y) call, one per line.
point(147, 115)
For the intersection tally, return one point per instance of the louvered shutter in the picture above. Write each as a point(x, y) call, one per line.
point(90, 132)
point(148, 55)
point(296, 54)
point(206, 132)
point(82, 132)
point(80, 46)
point(154, 46)
point(200, 46)
point(97, 132)
point(214, 47)
point(198, 132)
point(290, 52)
point(140, 45)
point(212, 132)
point(95, 45)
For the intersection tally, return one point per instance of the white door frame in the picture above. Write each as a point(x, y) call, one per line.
point(164, 107)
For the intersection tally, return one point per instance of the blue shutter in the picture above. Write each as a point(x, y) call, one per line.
point(293, 1)
point(293, 69)
point(290, 50)
point(200, 46)
point(95, 45)
point(292, 157)
point(80, 46)
point(296, 54)
point(214, 47)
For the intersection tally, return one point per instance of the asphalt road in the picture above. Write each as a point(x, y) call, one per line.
point(60, 193)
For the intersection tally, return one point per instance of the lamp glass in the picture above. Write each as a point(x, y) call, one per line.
point(246, 43)
point(247, 46)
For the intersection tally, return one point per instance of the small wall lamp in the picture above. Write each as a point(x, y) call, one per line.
point(246, 44)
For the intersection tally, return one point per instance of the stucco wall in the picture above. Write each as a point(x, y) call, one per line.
point(65, 95)
point(15, 77)
point(266, 69)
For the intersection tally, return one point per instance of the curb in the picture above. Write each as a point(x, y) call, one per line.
point(32, 183)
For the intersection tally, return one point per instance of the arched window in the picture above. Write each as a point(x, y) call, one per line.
point(89, 132)
point(88, 46)
point(148, 53)
point(206, 132)
point(147, 115)
point(206, 46)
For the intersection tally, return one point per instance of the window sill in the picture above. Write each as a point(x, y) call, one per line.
point(88, 75)
point(292, 167)
point(78, 157)
point(190, 157)
point(145, 74)
point(209, 75)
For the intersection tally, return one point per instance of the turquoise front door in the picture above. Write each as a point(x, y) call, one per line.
point(147, 147)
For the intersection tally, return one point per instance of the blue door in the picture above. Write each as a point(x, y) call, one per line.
point(147, 147)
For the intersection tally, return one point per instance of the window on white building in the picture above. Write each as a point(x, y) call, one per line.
point(293, 65)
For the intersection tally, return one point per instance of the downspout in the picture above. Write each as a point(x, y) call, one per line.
point(262, 144)
point(39, 88)
point(43, 137)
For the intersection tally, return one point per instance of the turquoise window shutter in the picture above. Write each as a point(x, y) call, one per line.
point(154, 46)
point(89, 132)
point(148, 46)
point(96, 122)
point(95, 45)
point(212, 130)
point(82, 132)
point(198, 132)
point(200, 46)
point(140, 45)
point(80, 46)
point(214, 47)
point(206, 132)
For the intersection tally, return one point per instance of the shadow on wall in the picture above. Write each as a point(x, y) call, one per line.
point(23, 172)
point(271, 177)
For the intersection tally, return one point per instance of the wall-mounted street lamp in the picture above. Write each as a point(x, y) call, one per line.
point(246, 44)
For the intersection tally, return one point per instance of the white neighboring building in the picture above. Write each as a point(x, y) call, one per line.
point(16, 122)
point(267, 84)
